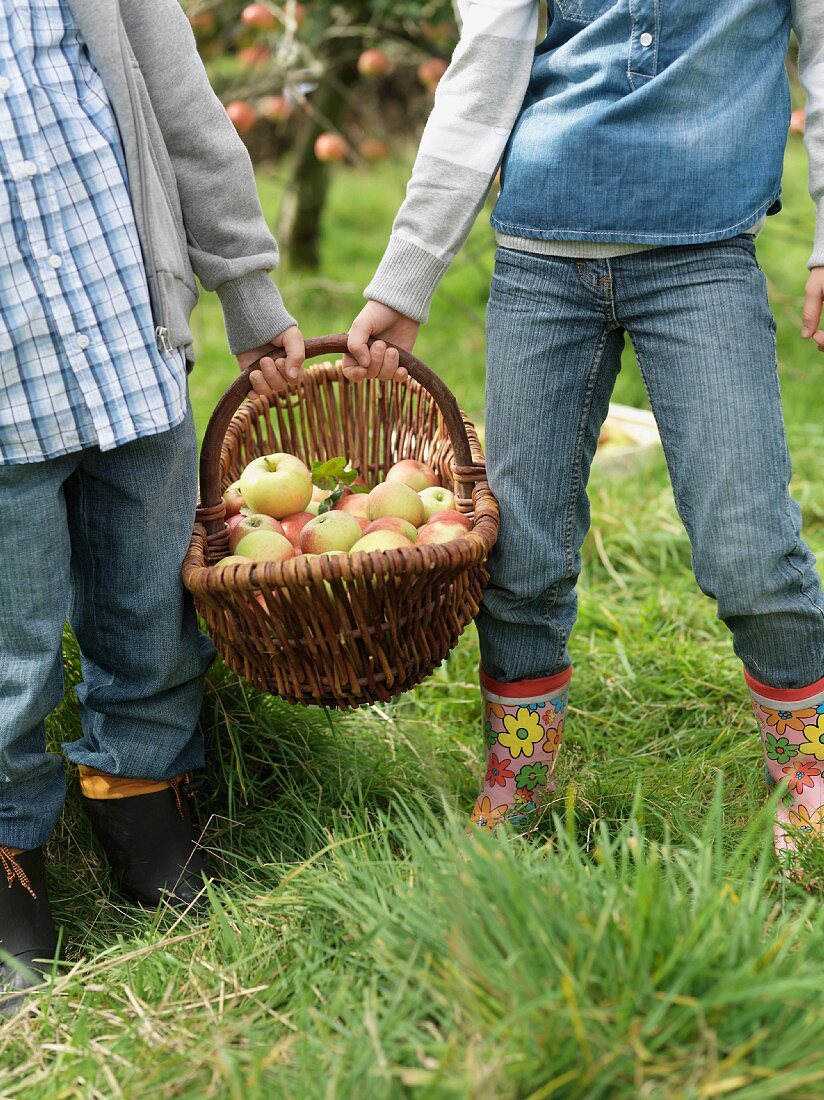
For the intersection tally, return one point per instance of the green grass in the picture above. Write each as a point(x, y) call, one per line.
point(640, 944)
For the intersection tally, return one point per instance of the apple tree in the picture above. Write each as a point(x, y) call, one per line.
point(324, 74)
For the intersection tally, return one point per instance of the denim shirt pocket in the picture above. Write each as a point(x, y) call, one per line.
point(582, 11)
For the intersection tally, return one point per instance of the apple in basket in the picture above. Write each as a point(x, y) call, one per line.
point(265, 546)
point(233, 499)
point(417, 475)
point(356, 504)
point(249, 523)
point(392, 523)
point(396, 499)
point(277, 485)
point(437, 499)
point(380, 540)
point(232, 559)
point(439, 531)
point(330, 531)
point(453, 517)
point(294, 524)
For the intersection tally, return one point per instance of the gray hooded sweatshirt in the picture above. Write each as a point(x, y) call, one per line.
point(192, 184)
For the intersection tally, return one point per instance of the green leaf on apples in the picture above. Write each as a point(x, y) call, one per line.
point(334, 474)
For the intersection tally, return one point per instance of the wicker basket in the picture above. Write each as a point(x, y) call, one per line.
point(354, 628)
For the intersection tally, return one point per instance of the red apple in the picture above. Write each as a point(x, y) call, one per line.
point(373, 62)
point(253, 57)
point(396, 499)
point(203, 21)
point(250, 523)
point(356, 504)
point(233, 499)
point(259, 17)
point(294, 524)
point(431, 71)
point(440, 531)
point(437, 499)
point(380, 540)
point(276, 108)
point(277, 485)
point(417, 475)
point(241, 114)
point(451, 517)
point(392, 523)
point(265, 546)
point(373, 149)
point(331, 147)
point(330, 531)
point(233, 521)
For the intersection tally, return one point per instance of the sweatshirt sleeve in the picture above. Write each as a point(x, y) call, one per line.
point(809, 26)
point(230, 246)
point(476, 105)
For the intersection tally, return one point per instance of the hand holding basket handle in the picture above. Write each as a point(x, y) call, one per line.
point(347, 629)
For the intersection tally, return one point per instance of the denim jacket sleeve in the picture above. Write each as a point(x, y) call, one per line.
point(476, 105)
point(809, 26)
point(230, 246)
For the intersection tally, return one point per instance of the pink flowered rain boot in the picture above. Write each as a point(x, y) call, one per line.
point(792, 731)
point(523, 726)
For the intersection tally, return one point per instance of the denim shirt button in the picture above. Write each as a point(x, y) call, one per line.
point(645, 39)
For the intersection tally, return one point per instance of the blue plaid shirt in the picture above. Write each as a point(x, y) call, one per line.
point(79, 362)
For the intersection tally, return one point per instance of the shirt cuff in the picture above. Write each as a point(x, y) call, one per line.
point(253, 311)
point(406, 279)
point(817, 258)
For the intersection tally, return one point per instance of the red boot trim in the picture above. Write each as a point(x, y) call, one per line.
point(527, 689)
point(785, 695)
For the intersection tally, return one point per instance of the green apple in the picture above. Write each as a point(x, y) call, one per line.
point(396, 499)
point(330, 531)
point(417, 475)
point(437, 499)
point(380, 540)
point(231, 559)
point(247, 524)
point(277, 485)
point(265, 546)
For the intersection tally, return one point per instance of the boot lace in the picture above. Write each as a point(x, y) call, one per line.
point(14, 872)
point(183, 788)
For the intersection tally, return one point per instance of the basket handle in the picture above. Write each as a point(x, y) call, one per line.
point(211, 507)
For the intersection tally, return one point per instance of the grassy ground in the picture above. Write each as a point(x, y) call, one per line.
point(639, 945)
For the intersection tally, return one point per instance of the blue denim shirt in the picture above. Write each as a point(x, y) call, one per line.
point(638, 127)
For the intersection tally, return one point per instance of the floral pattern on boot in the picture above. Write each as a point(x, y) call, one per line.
point(523, 729)
point(792, 733)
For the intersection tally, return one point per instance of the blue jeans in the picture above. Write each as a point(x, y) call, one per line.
point(704, 337)
point(98, 538)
